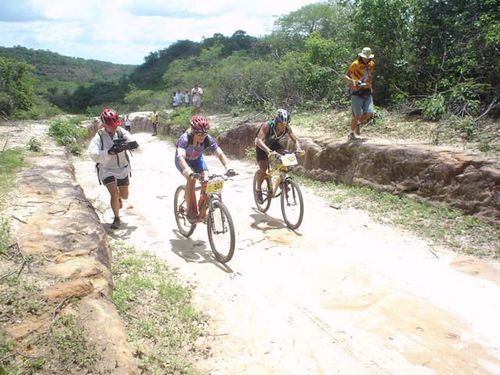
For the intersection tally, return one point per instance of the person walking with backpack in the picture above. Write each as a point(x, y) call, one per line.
point(109, 149)
point(359, 78)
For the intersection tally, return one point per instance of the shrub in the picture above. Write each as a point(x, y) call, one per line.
point(34, 145)
point(433, 107)
point(67, 133)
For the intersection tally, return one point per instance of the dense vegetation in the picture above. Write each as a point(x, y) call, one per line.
point(436, 58)
point(53, 78)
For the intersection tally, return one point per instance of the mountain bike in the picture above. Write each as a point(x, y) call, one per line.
point(277, 183)
point(212, 211)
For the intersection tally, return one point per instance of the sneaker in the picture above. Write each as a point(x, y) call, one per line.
point(352, 137)
point(192, 216)
point(116, 223)
point(259, 197)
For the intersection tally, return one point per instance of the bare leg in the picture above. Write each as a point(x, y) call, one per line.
point(261, 173)
point(355, 124)
point(114, 198)
point(191, 196)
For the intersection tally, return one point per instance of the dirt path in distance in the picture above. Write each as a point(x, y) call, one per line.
point(342, 295)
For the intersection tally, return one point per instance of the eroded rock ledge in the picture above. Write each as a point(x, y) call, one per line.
point(461, 180)
point(71, 260)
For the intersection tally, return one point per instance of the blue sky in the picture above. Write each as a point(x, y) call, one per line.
point(125, 31)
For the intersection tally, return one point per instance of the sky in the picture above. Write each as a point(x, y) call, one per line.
point(126, 31)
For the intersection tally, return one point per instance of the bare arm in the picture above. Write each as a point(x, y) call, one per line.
point(260, 139)
point(222, 157)
point(292, 136)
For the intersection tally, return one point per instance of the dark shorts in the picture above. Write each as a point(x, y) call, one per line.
point(261, 154)
point(119, 182)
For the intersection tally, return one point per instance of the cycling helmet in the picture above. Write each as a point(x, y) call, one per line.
point(110, 117)
point(199, 123)
point(283, 116)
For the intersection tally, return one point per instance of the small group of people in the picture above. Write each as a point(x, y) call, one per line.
point(109, 146)
point(188, 98)
point(180, 99)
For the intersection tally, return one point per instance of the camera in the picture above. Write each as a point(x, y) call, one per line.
point(119, 142)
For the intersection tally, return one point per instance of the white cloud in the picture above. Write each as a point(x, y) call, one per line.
point(125, 31)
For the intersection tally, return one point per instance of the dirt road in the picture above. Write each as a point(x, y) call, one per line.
point(342, 295)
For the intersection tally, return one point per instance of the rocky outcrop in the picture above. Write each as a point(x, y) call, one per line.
point(62, 240)
point(460, 180)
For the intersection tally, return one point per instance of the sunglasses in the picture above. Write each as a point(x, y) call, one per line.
point(200, 133)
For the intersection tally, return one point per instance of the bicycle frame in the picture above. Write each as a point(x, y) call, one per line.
point(280, 171)
point(210, 196)
point(212, 212)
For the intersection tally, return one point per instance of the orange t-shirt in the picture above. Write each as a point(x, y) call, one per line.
point(358, 70)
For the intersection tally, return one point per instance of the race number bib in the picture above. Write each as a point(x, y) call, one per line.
point(289, 159)
point(215, 186)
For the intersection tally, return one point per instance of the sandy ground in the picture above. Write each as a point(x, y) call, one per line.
point(342, 295)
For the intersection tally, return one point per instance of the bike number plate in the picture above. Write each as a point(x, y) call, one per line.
point(215, 186)
point(289, 159)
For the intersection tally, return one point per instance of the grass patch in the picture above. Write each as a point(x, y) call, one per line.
point(5, 239)
point(11, 161)
point(57, 348)
point(67, 347)
point(438, 223)
point(162, 324)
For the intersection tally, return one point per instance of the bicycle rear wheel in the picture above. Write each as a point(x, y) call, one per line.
point(220, 229)
point(180, 211)
point(263, 202)
point(292, 204)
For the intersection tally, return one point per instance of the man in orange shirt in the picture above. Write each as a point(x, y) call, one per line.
point(359, 78)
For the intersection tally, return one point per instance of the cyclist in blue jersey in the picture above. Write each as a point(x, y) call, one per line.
point(189, 158)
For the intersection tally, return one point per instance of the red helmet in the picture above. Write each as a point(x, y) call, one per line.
point(110, 117)
point(199, 123)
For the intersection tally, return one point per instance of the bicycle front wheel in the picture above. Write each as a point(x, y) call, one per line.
point(262, 194)
point(220, 229)
point(180, 211)
point(292, 204)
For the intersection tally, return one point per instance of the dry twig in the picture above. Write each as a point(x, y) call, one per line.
point(58, 307)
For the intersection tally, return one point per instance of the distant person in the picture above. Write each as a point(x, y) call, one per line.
point(268, 142)
point(359, 78)
point(128, 124)
point(178, 99)
point(189, 158)
point(154, 120)
point(108, 149)
point(196, 94)
point(187, 100)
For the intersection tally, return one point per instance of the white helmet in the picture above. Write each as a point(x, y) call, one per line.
point(283, 116)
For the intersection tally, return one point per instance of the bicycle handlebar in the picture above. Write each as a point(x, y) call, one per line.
point(225, 176)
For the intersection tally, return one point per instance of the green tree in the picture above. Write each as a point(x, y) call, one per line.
point(456, 49)
point(385, 26)
point(16, 86)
